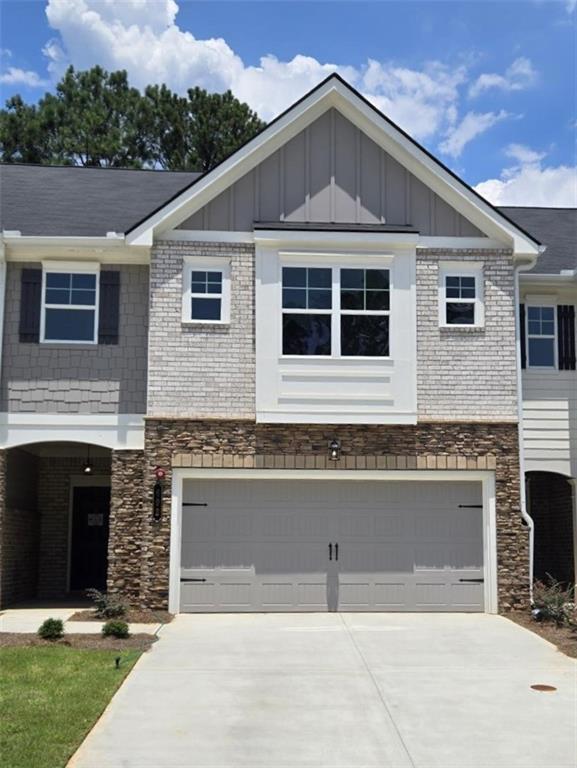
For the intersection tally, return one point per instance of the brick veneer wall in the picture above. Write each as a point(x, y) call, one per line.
point(244, 443)
point(202, 369)
point(467, 373)
point(551, 507)
point(54, 482)
point(19, 527)
point(78, 378)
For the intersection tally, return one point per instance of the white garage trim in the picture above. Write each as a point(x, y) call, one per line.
point(487, 480)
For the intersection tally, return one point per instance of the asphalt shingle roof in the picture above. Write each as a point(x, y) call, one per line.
point(554, 227)
point(74, 201)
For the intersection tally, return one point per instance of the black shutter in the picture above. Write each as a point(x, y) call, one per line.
point(109, 307)
point(566, 336)
point(522, 336)
point(30, 301)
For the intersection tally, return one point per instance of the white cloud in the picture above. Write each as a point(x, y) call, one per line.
point(529, 182)
point(143, 37)
point(519, 76)
point(471, 126)
point(17, 76)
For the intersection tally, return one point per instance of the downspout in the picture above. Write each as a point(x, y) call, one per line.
point(522, 490)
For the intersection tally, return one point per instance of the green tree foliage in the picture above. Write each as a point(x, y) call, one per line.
point(95, 118)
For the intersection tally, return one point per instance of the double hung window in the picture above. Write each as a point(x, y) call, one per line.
point(206, 291)
point(69, 307)
point(461, 295)
point(541, 336)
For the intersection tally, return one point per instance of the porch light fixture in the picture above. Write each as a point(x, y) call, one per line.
point(87, 465)
point(334, 450)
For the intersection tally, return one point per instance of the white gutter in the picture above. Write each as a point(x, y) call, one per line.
point(522, 490)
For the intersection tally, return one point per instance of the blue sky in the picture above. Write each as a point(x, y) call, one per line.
point(489, 87)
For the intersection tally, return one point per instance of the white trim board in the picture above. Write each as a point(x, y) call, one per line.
point(335, 93)
point(487, 480)
point(115, 431)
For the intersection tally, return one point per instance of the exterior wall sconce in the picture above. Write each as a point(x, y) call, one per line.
point(87, 469)
point(334, 450)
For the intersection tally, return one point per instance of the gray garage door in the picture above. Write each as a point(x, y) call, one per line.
point(312, 545)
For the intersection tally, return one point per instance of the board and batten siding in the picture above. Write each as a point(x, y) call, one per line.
point(550, 421)
point(331, 172)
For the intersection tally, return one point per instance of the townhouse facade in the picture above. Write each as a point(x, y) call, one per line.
point(290, 384)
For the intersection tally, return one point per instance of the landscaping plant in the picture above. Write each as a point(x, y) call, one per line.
point(554, 601)
point(107, 606)
point(115, 628)
point(51, 629)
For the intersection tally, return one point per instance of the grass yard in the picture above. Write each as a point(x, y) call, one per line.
point(50, 697)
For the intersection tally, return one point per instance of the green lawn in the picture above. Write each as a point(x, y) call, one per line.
point(50, 697)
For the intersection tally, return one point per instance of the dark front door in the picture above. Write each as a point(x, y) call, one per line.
point(89, 547)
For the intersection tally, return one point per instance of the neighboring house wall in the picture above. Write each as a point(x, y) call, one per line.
point(550, 403)
point(44, 378)
point(467, 373)
point(194, 369)
point(331, 172)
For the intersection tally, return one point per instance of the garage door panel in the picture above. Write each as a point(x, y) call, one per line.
point(263, 545)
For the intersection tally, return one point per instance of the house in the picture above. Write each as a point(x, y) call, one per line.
point(290, 384)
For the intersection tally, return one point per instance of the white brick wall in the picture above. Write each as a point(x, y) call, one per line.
point(200, 370)
point(467, 373)
point(463, 374)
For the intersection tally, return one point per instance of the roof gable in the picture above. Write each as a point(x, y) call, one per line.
point(335, 93)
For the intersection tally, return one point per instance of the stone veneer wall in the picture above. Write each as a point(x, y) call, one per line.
point(246, 444)
point(200, 369)
point(467, 373)
point(126, 520)
point(54, 482)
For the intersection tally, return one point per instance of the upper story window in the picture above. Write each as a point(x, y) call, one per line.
point(541, 337)
point(461, 295)
point(337, 312)
point(69, 306)
point(206, 291)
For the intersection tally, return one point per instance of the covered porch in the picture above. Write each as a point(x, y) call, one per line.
point(55, 522)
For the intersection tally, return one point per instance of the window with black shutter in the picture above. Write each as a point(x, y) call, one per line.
point(566, 337)
point(30, 305)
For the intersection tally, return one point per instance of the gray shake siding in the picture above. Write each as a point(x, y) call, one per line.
point(41, 378)
point(331, 172)
point(201, 370)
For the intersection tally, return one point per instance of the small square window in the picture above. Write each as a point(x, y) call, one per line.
point(460, 295)
point(206, 292)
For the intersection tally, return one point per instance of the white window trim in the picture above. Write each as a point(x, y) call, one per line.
point(68, 267)
point(209, 264)
point(462, 269)
point(335, 263)
point(542, 301)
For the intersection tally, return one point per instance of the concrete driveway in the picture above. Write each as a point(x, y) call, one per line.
point(341, 690)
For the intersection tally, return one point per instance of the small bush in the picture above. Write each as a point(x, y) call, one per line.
point(51, 629)
point(555, 601)
point(107, 606)
point(115, 628)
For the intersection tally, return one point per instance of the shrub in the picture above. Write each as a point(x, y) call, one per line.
point(115, 628)
point(107, 606)
point(51, 629)
point(554, 601)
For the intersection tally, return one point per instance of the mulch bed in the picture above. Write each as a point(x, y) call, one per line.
point(565, 638)
point(133, 616)
point(139, 642)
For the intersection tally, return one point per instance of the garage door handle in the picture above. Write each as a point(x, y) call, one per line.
point(336, 551)
point(476, 581)
point(330, 551)
point(192, 580)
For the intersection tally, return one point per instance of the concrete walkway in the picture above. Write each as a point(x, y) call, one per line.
point(27, 621)
point(341, 690)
